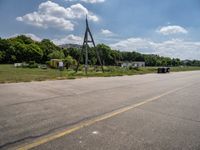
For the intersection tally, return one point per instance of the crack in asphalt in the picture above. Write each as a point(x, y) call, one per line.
point(73, 123)
point(65, 126)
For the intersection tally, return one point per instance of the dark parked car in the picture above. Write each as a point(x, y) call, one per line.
point(163, 70)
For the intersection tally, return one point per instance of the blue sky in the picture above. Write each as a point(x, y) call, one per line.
point(168, 28)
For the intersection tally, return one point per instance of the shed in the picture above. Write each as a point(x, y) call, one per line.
point(132, 64)
point(54, 63)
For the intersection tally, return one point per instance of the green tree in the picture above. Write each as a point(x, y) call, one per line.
point(56, 55)
point(48, 48)
point(74, 52)
point(34, 53)
point(2, 56)
point(22, 48)
point(7, 50)
point(20, 51)
point(106, 54)
point(23, 39)
point(68, 61)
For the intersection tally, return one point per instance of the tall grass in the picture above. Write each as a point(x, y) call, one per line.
point(8, 73)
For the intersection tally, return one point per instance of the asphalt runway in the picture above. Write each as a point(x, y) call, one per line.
point(142, 112)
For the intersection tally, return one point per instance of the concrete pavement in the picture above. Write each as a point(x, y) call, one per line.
point(32, 111)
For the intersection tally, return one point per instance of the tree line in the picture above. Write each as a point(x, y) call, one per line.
point(24, 49)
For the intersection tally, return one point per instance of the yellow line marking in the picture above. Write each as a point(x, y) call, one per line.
point(87, 123)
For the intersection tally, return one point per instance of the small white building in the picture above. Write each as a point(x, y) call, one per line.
point(138, 64)
point(133, 64)
point(18, 64)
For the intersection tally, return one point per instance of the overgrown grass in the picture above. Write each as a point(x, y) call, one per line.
point(9, 74)
point(184, 68)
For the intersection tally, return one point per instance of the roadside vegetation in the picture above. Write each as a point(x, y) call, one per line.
point(34, 59)
point(23, 49)
point(10, 74)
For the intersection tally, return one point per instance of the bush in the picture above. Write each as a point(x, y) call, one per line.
point(24, 65)
point(133, 68)
point(69, 61)
point(33, 65)
point(48, 63)
point(31, 62)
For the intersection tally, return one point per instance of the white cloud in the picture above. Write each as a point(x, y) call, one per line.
point(107, 32)
point(169, 30)
point(88, 1)
point(93, 1)
point(32, 36)
point(172, 48)
point(46, 21)
point(133, 44)
point(51, 14)
point(70, 39)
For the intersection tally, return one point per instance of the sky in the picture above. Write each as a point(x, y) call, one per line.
point(167, 28)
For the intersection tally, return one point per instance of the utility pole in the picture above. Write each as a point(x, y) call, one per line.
point(85, 48)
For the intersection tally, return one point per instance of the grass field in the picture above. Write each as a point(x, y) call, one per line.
point(9, 74)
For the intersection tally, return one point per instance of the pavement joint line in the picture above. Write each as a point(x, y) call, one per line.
point(83, 124)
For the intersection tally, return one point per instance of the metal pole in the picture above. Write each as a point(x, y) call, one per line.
point(86, 59)
point(79, 59)
point(85, 46)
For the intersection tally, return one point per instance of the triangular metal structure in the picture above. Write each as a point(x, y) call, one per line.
point(85, 47)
